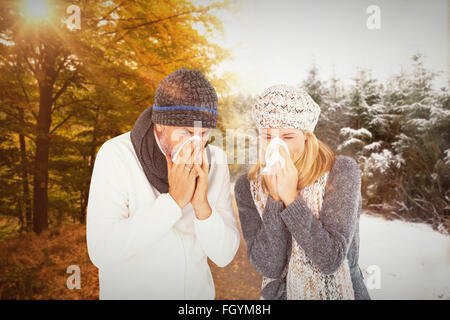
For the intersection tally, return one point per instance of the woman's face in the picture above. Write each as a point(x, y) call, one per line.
point(294, 138)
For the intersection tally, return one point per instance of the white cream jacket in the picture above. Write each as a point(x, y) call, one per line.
point(144, 245)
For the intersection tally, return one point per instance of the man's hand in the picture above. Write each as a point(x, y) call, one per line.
point(200, 198)
point(182, 181)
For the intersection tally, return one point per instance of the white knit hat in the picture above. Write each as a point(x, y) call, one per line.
point(283, 106)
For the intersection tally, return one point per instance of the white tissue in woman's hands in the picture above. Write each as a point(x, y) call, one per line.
point(273, 155)
point(198, 158)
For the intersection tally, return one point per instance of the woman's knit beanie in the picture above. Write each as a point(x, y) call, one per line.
point(283, 106)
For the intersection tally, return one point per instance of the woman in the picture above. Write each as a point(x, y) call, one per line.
point(301, 222)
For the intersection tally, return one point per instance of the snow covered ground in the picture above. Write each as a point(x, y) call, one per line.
point(411, 259)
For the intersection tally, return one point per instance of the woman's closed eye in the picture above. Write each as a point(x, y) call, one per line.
point(284, 138)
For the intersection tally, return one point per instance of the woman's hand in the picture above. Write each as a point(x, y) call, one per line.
point(271, 183)
point(287, 179)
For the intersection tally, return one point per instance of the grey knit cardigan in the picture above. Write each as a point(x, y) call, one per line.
point(326, 241)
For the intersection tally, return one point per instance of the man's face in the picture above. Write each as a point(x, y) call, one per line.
point(171, 137)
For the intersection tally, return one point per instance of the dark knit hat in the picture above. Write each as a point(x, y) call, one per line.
point(185, 96)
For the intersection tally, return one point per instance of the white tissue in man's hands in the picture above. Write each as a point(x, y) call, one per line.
point(273, 155)
point(198, 157)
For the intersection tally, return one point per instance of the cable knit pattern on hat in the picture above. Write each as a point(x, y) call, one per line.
point(283, 106)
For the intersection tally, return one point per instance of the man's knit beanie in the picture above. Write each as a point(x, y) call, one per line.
point(183, 97)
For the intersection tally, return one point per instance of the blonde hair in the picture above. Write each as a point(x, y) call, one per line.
point(317, 158)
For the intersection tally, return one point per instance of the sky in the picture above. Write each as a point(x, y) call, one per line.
point(278, 41)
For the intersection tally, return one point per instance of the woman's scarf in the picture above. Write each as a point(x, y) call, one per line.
point(152, 160)
point(304, 281)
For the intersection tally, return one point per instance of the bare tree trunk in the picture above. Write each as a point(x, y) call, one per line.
point(25, 184)
point(40, 200)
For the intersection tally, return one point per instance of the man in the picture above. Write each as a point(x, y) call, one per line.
point(152, 218)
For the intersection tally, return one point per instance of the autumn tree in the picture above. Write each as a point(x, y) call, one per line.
point(83, 86)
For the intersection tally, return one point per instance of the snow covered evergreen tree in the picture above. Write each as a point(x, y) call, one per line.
point(330, 96)
point(419, 122)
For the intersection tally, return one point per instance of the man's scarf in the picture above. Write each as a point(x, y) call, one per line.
point(152, 160)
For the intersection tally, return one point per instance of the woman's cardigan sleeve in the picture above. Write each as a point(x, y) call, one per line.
point(267, 239)
point(326, 241)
